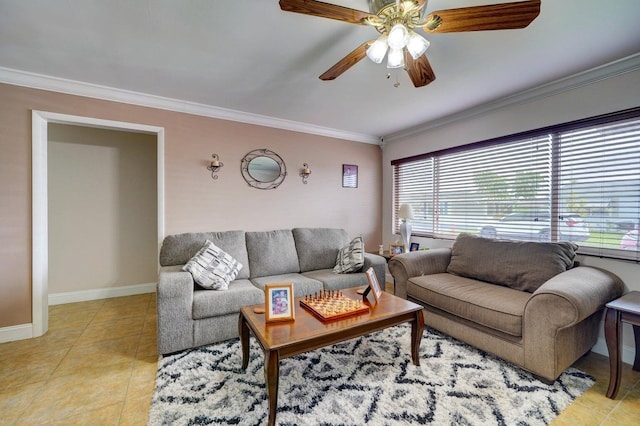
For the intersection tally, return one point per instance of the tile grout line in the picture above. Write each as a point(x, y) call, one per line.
point(49, 378)
point(133, 365)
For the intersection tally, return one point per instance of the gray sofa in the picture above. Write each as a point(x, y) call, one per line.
point(525, 302)
point(190, 316)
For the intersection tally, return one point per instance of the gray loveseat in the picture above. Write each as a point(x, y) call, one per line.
point(524, 302)
point(190, 316)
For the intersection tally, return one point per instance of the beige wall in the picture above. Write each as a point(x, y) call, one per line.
point(102, 208)
point(193, 201)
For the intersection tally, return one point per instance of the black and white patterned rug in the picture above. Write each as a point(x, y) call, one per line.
point(367, 380)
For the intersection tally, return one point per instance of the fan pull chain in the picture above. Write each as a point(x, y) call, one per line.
point(397, 83)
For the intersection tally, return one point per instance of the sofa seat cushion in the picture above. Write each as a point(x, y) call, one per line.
point(302, 285)
point(333, 281)
point(318, 247)
point(241, 293)
point(497, 307)
point(520, 265)
point(178, 249)
point(272, 253)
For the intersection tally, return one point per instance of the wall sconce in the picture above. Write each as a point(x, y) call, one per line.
point(215, 165)
point(304, 174)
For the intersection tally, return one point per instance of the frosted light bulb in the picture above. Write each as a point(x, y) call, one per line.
point(398, 37)
point(395, 59)
point(417, 45)
point(378, 49)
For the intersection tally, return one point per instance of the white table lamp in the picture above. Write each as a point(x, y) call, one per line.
point(406, 214)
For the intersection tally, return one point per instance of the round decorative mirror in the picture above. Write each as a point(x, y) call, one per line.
point(263, 169)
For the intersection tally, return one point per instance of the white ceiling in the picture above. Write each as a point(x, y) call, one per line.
point(251, 57)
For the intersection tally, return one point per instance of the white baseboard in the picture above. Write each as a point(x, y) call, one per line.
point(25, 331)
point(16, 332)
point(100, 293)
point(628, 352)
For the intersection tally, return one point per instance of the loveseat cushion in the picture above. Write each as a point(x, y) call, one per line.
point(318, 247)
point(272, 253)
point(521, 265)
point(215, 303)
point(497, 307)
point(178, 249)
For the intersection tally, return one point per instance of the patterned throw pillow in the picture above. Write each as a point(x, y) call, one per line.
point(212, 268)
point(350, 257)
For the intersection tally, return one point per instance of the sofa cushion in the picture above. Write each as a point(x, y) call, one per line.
point(178, 249)
point(318, 247)
point(272, 253)
point(350, 258)
point(520, 265)
point(213, 268)
point(497, 307)
point(302, 285)
point(333, 281)
point(215, 303)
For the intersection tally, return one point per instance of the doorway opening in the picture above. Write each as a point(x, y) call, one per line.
point(40, 196)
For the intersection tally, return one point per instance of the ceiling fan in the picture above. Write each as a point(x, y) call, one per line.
point(396, 20)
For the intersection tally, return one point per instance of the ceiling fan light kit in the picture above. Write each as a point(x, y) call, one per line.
point(396, 20)
point(398, 37)
point(378, 49)
point(395, 58)
point(417, 45)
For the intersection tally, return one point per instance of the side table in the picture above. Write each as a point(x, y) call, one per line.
point(625, 309)
point(386, 255)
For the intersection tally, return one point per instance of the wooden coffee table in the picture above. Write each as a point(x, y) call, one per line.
point(307, 333)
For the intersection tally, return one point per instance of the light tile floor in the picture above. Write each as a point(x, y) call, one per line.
point(96, 366)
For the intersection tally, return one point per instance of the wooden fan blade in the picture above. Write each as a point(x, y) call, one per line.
point(347, 62)
point(419, 70)
point(326, 10)
point(483, 18)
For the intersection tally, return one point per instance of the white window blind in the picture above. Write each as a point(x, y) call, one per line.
point(576, 182)
point(416, 182)
point(599, 177)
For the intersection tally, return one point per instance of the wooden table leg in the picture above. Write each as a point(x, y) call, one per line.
point(636, 335)
point(243, 331)
point(612, 328)
point(417, 328)
point(271, 377)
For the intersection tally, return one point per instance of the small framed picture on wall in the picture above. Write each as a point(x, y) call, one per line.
point(349, 176)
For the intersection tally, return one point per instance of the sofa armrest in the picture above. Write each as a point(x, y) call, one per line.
point(379, 265)
point(576, 294)
point(174, 300)
point(417, 263)
point(551, 333)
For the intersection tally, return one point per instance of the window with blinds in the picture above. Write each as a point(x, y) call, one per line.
point(578, 182)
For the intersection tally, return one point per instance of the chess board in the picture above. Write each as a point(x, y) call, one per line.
point(330, 305)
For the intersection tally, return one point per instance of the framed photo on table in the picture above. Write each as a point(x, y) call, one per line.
point(414, 247)
point(374, 285)
point(278, 302)
point(396, 249)
point(349, 176)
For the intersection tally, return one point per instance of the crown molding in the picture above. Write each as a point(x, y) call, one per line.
point(71, 87)
point(585, 78)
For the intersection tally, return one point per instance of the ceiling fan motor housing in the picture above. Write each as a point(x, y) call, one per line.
point(376, 6)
